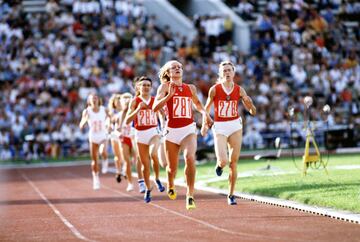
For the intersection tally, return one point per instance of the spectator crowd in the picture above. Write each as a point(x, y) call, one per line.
point(51, 61)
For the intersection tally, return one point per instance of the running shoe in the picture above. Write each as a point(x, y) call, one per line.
point(96, 182)
point(142, 186)
point(171, 193)
point(159, 186)
point(231, 200)
point(218, 170)
point(118, 178)
point(147, 196)
point(104, 167)
point(190, 203)
point(130, 187)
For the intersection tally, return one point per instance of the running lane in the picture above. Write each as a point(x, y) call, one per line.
point(58, 204)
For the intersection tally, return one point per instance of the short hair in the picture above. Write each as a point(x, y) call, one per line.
point(140, 79)
point(144, 78)
point(224, 63)
point(221, 67)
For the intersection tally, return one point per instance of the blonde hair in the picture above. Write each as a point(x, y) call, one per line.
point(221, 67)
point(89, 97)
point(164, 71)
point(111, 104)
point(126, 95)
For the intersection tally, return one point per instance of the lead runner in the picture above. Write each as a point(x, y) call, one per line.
point(181, 129)
point(227, 126)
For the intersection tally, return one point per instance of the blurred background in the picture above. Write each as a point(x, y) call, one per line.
point(53, 53)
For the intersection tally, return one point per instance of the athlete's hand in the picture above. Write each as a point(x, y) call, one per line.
point(204, 129)
point(171, 91)
point(207, 120)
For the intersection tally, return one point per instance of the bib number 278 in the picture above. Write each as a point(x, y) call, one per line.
point(228, 109)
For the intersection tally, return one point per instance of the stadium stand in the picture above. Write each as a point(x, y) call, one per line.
point(53, 53)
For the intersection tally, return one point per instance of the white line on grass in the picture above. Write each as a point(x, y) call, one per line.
point(327, 212)
point(56, 211)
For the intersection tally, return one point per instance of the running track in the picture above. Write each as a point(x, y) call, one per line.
point(58, 204)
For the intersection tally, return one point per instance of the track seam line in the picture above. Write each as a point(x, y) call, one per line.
point(321, 211)
point(55, 210)
point(209, 225)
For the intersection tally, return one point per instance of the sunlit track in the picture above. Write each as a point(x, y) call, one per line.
point(204, 223)
point(112, 214)
point(56, 211)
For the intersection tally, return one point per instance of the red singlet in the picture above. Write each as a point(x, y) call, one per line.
point(226, 105)
point(145, 118)
point(180, 107)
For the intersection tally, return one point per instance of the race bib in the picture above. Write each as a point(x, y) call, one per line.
point(96, 126)
point(182, 107)
point(146, 117)
point(228, 109)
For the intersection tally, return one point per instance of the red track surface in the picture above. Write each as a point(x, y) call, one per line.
point(58, 204)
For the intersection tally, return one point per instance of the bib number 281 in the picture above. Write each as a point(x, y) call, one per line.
point(182, 107)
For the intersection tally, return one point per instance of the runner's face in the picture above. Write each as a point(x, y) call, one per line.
point(144, 87)
point(175, 70)
point(94, 100)
point(117, 103)
point(227, 72)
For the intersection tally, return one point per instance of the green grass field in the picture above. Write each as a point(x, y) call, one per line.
point(339, 190)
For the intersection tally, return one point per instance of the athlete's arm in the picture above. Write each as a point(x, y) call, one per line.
point(132, 111)
point(210, 99)
point(108, 120)
point(84, 118)
point(164, 93)
point(247, 102)
point(206, 119)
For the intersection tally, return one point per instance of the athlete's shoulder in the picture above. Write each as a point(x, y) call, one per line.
point(136, 99)
point(163, 88)
point(191, 86)
point(103, 109)
point(86, 111)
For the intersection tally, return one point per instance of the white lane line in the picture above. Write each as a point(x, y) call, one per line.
point(177, 213)
point(206, 224)
point(56, 211)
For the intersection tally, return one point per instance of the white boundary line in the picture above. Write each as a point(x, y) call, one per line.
point(327, 212)
point(56, 211)
point(206, 224)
